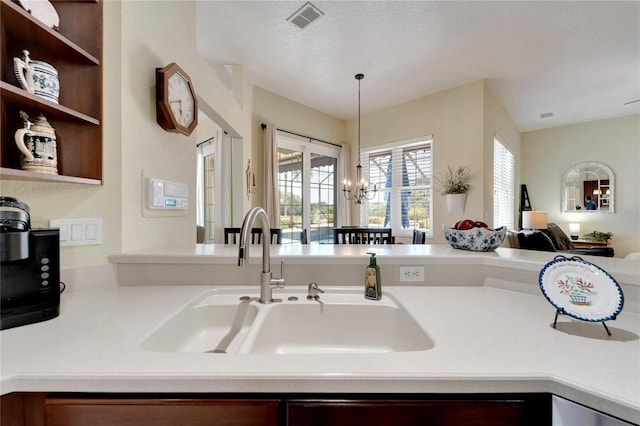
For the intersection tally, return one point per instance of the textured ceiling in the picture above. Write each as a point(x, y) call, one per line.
point(579, 60)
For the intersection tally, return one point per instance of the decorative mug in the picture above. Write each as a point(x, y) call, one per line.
point(37, 141)
point(37, 77)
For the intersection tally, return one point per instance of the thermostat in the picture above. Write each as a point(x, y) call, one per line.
point(164, 195)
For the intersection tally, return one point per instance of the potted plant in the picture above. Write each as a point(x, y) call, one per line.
point(454, 183)
point(598, 237)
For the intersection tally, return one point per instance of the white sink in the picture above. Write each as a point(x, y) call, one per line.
point(216, 324)
point(342, 321)
point(339, 323)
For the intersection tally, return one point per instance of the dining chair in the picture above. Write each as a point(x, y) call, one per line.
point(304, 238)
point(363, 236)
point(419, 237)
point(232, 235)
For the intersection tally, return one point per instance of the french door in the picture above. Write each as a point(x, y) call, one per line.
point(307, 181)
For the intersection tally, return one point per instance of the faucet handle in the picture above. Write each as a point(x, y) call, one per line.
point(282, 269)
point(313, 291)
point(279, 282)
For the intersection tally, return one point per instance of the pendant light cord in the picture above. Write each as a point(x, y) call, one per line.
point(359, 77)
point(359, 152)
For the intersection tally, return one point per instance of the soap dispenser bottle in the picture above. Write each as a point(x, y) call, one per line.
point(372, 284)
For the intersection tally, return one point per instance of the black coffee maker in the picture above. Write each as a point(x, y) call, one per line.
point(29, 267)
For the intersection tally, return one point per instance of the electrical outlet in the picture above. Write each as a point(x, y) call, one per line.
point(411, 273)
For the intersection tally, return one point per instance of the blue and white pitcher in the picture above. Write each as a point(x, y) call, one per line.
point(37, 77)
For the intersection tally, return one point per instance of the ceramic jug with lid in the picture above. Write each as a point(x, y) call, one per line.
point(37, 141)
point(37, 77)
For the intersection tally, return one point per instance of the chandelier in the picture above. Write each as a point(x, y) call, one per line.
point(361, 192)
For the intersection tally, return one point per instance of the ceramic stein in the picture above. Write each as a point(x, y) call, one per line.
point(37, 77)
point(37, 141)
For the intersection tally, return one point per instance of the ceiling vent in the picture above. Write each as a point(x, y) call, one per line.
point(305, 15)
point(546, 115)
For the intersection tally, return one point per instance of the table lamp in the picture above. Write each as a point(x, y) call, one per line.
point(574, 230)
point(534, 220)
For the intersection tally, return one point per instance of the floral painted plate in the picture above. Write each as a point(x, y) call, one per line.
point(581, 289)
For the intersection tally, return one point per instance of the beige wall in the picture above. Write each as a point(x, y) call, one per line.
point(462, 121)
point(139, 36)
point(497, 123)
point(155, 34)
point(546, 154)
point(291, 116)
point(454, 118)
point(62, 200)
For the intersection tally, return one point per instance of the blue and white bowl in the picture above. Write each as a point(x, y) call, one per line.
point(475, 239)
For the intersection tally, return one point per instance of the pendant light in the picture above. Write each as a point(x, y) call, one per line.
point(361, 192)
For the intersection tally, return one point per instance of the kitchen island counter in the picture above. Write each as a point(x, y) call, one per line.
point(487, 338)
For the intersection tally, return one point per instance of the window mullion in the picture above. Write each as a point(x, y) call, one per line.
point(306, 188)
point(396, 188)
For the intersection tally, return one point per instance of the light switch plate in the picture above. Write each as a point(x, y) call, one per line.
point(78, 232)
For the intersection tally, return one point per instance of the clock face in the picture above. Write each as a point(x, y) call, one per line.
point(180, 99)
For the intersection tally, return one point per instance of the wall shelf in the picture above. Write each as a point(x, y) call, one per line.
point(22, 175)
point(75, 50)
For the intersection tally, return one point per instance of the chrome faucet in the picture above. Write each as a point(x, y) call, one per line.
point(267, 283)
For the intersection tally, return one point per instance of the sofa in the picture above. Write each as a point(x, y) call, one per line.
point(554, 239)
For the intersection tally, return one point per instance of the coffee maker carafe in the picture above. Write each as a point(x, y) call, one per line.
point(30, 267)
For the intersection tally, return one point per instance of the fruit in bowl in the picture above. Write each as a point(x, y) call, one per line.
point(474, 235)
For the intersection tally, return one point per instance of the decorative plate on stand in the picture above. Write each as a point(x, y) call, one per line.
point(581, 289)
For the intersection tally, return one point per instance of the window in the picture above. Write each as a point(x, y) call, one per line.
point(206, 201)
point(503, 185)
point(402, 174)
point(307, 178)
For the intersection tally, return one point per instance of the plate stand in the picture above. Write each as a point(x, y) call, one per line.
point(561, 312)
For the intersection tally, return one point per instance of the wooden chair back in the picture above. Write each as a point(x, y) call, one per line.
point(232, 235)
point(363, 236)
point(419, 237)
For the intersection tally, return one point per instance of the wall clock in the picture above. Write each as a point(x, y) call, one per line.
point(176, 100)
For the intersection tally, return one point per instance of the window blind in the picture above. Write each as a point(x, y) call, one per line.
point(503, 186)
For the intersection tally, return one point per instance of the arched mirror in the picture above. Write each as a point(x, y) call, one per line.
point(588, 187)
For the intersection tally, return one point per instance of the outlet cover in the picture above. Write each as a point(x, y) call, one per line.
point(411, 273)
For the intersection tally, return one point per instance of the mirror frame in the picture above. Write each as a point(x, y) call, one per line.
point(581, 169)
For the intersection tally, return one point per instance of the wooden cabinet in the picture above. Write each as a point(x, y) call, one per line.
point(76, 52)
point(160, 412)
point(585, 243)
point(22, 409)
point(35, 409)
point(430, 411)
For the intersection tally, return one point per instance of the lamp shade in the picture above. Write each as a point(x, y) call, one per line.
point(574, 228)
point(534, 220)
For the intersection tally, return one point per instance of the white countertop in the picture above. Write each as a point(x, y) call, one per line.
point(487, 339)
